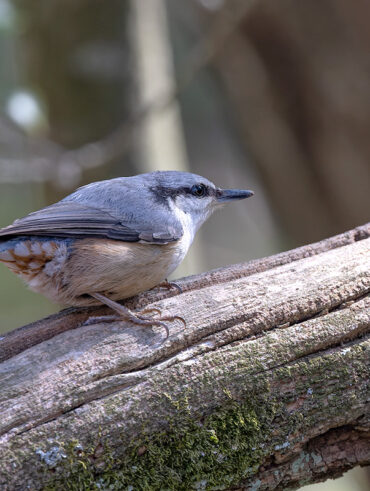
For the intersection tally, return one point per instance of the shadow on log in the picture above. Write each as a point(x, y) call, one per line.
point(266, 388)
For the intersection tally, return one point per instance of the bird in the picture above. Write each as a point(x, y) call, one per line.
point(112, 239)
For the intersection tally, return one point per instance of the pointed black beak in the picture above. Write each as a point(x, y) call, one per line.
point(223, 195)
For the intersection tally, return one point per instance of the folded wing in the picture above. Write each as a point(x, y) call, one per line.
point(75, 220)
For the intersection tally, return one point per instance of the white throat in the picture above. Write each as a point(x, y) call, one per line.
point(186, 221)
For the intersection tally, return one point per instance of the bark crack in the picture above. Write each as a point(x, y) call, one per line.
point(119, 388)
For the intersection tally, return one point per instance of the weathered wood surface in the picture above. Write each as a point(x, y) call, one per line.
point(266, 388)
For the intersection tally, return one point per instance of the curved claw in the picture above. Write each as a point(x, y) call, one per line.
point(162, 320)
point(149, 311)
point(170, 284)
point(162, 324)
point(178, 287)
point(181, 319)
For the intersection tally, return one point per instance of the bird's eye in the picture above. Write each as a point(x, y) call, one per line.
point(198, 190)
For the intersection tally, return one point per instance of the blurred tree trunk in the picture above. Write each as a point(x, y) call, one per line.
point(297, 73)
point(77, 53)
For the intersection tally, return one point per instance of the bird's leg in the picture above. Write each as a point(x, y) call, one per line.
point(169, 285)
point(126, 314)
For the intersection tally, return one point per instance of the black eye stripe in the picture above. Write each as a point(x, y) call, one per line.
point(199, 190)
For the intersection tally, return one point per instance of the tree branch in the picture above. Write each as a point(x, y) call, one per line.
point(266, 388)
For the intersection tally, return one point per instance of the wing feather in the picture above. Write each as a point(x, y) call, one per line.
point(76, 220)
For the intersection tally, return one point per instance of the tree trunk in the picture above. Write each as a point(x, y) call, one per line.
point(289, 88)
point(267, 387)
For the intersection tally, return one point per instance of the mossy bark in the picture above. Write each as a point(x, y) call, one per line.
point(266, 388)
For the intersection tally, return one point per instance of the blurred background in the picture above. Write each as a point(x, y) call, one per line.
point(271, 96)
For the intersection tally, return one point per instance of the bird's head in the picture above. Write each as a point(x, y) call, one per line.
point(191, 197)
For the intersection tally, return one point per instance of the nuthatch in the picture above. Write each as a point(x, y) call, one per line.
point(112, 239)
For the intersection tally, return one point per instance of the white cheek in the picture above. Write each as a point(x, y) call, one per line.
point(182, 245)
point(187, 225)
point(195, 214)
point(190, 220)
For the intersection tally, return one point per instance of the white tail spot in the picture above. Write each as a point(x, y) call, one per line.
point(47, 247)
point(21, 250)
point(36, 248)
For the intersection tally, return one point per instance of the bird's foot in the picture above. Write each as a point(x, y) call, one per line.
point(170, 285)
point(139, 318)
point(161, 318)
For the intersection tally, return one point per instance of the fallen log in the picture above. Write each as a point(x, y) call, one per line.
point(267, 387)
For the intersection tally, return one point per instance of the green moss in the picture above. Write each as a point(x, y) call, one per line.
point(217, 452)
point(225, 447)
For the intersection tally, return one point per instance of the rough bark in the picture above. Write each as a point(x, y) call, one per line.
point(266, 388)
